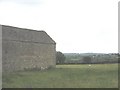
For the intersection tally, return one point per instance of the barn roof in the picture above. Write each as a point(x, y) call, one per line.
point(25, 35)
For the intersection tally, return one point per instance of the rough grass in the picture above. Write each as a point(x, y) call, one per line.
point(66, 76)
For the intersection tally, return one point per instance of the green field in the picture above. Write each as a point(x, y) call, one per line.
point(66, 76)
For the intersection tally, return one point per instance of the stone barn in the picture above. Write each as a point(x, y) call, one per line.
point(26, 49)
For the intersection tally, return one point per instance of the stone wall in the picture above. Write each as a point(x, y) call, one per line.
point(24, 50)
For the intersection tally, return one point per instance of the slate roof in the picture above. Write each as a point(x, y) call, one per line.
point(25, 35)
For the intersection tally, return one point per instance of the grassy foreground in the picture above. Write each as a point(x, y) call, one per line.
point(66, 76)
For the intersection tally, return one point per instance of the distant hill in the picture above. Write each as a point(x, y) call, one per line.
point(95, 57)
point(89, 54)
point(83, 54)
point(71, 53)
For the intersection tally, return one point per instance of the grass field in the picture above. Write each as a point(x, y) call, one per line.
point(66, 76)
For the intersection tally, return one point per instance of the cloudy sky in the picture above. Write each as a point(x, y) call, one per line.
point(77, 26)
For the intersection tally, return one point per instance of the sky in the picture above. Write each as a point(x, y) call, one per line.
point(77, 26)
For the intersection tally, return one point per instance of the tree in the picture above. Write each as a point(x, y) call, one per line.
point(87, 59)
point(60, 58)
point(118, 57)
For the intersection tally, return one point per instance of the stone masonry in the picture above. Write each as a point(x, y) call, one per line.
point(26, 49)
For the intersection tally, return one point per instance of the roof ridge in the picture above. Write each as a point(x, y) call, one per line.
point(23, 28)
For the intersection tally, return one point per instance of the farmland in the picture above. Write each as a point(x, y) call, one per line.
point(66, 76)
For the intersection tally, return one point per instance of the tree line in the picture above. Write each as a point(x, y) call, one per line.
point(95, 58)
